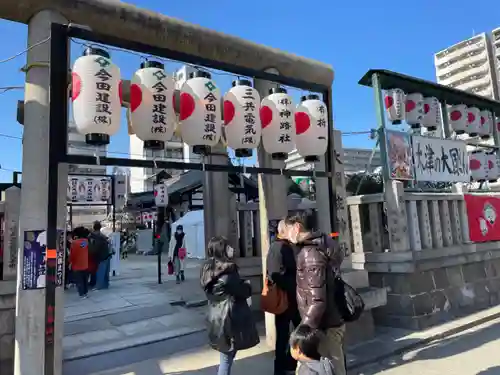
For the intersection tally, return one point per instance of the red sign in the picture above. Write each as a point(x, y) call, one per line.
point(483, 216)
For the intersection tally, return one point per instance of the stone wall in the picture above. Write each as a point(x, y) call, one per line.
point(425, 298)
point(7, 324)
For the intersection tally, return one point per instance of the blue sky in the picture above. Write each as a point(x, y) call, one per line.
point(351, 36)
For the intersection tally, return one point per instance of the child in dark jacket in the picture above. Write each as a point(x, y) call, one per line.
point(304, 344)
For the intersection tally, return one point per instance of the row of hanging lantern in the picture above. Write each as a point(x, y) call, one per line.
point(471, 121)
point(97, 99)
point(418, 111)
point(483, 166)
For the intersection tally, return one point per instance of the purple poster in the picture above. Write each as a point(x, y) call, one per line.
point(34, 266)
point(34, 259)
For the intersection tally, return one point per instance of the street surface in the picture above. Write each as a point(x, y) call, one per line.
point(472, 352)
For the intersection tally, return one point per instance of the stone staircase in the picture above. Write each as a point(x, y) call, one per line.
point(363, 329)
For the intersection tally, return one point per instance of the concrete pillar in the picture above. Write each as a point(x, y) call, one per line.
point(30, 304)
point(216, 199)
point(11, 232)
point(272, 201)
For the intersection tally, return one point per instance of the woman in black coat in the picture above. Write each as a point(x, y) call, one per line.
point(282, 271)
point(231, 326)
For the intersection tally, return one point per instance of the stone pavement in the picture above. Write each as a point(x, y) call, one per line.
point(386, 351)
point(471, 352)
point(135, 310)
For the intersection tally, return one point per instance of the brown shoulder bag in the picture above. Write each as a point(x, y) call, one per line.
point(273, 299)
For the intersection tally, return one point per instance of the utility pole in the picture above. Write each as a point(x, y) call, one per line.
point(160, 222)
point(30, 313)
point(272, 201)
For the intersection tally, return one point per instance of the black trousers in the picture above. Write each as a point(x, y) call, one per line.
point(81, 281)
point(283, 361)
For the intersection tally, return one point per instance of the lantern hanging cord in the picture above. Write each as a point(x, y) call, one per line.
point(143, 56)
point(25, 51)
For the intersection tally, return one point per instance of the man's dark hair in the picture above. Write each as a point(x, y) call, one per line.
point(97, 226)
point(295, 219)
point(306, 339)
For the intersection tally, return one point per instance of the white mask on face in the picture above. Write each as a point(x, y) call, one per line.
point(293, 235)
point(230, 252)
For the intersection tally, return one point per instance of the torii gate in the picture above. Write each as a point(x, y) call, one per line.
point(135, 24)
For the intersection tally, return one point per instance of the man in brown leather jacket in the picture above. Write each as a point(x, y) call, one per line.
point(318, 260)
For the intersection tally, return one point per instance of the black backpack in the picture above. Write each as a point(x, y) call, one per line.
point(99, 247)
point(349, 302)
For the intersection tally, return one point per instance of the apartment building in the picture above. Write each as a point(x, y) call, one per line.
point(470, 65)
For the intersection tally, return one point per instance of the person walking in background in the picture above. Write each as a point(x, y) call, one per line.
point(100, 252)
point(318, 262)
point(231, 326)
point(79, 260)
point(282, 271)
point(178, 253)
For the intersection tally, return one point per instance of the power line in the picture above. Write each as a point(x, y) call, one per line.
point(25, 51)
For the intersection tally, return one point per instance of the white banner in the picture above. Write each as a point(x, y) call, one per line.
point(440, 160)
point(87, 189)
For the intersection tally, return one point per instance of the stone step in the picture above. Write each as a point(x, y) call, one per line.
point(373, 297)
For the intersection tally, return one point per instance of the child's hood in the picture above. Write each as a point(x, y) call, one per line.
point(322, 367)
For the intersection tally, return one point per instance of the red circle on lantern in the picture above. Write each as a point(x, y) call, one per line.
point(483, 120)
point(135, 96)
point(455, 115)
point(498, 125)
point(389, 101)
point(410, 105)
point(120, 91)
point(490, 164)
point(427, 108)
point(470, 117)
point(76, 86)
point(229, 111)
point(302, 122)
point(266, 116)
point(474, 164)
point(187, 106)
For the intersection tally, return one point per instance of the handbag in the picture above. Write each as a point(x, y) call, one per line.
point(170, 268)
point(182, 253)
point(349, 302)
point(273, 299)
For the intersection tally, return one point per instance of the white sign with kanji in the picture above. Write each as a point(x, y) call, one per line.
point(161, 195)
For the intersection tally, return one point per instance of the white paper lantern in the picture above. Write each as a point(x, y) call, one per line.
point(414, 109)
point(486, 124)
point(200, 113)
point(432, 114)
point(96, 96)
point(161, 195)
point(278, 123)
point(457, 117)
point(73, 190)
point(152, 105)
point(473, 121)
point(105, 189)
point(395, 105)
point(478, 165)
point(242, 118)
point(311, 124)
point(82, 190)
point(491, 164)
point(89, 189)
